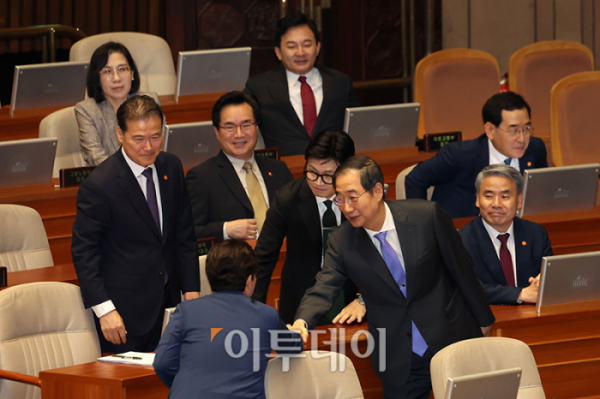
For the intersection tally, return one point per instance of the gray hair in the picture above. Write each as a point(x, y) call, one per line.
point(502, 171)
point(138, 108)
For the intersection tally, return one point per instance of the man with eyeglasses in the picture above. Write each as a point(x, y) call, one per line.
point(230, 193)
point(416, 277)
point(303, 212)
point(507, 140)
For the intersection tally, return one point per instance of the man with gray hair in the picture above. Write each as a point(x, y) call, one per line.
point(506, 250)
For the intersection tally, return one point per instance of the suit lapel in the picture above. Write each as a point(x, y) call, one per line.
point(231, 180)
point(165, 194)
point(310, 213)
point(268, 177)
point(128, 183)
point(522, 252)
point(408, 245)
point(487, 251)
point(281, 95)
point(328, 96)
point(526, 162)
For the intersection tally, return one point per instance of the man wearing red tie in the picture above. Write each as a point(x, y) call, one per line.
point(506, 250)
point(298, 99)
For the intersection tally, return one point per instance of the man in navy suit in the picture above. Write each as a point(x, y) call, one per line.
point(202, 351)
point(416, 277)
point(133, 246)
point(297, 99)
point(452, 171)
point(230, 193)
point(506, 250)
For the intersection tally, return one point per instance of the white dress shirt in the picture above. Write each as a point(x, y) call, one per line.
point(391, 237)
point(238, 166)
point(108, 306)
point(322, 208)
point(510, 243)
point(314, 80)
point(498, 158)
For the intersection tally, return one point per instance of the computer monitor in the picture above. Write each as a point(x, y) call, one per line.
point(193, 143)
point(500, 384)
point(25, 162)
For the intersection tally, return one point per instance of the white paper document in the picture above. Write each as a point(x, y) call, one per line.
point(140, 358)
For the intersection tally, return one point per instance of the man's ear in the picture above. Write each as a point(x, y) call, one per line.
point(489, 130)
point(278, 53)
point(120, 135)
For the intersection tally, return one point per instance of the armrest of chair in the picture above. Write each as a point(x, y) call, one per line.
point(27, 379)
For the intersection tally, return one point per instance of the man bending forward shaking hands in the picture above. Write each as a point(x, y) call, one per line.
point(416, 278)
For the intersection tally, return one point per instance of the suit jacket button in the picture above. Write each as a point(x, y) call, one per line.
point(161, 275)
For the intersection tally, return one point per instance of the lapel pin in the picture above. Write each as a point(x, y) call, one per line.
point(165, 177)
point(270, 174)
point(524, 243)
point(529, 164)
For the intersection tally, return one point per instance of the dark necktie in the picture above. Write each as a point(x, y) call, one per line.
point(151, 196)
point(393, 263)
point(329, 224)
point(309, 105)
point(506, 260)
point(508, 161)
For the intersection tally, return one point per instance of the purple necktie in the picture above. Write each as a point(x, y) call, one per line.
point(393, 263)
point(151, 196)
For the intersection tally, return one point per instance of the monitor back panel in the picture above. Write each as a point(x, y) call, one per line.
point(383, 126)
point(560, 189)
point(48, 85)
point(500, 384)
point(25, 162)
point(569, 278)
point(193, 143)
point(212, 71)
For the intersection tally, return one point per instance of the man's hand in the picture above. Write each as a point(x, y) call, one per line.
point(530, 294)
point(242, 229)
point(354, 311)
point(113, 328)
point(300, 326)
point(486, 330)
point(188, 296)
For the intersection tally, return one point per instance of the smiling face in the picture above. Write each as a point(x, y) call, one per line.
point(116, 86)
point(241, 142)
point(298, 50)
point(368, 211)
point(142, 141)
point(498, 201)
point(321, 167)
point(507, 144)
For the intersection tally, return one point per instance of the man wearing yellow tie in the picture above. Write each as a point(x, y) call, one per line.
point(230, 193)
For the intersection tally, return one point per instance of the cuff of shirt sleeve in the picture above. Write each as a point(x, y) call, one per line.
point(225, 236)
point(103, 308)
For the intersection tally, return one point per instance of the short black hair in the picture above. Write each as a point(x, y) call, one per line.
point(235, 98)
point(508, 101)
point(370, 173)
point(138, 108)
point(330, 144)
point(291, 21)
point(229, 264)
point(98, 62)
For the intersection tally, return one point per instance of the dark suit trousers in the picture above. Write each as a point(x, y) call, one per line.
point(143, 343)
point(418, 385)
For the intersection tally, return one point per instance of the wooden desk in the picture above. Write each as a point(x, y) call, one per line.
point(102, 380)
point(61, 273)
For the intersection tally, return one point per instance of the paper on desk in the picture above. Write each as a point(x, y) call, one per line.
point(140, 358)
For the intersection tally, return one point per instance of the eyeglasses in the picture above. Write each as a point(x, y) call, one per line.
point(350, 200)
point(313, 176)
point(108, 72)
point(231, 128)
point(513, 131)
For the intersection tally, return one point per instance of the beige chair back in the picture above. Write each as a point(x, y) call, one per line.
point(401, 188)
point(480, 355)
point(43, 326)
point(204, 284)
point(152, 56)
point(534, 69)
point(310, 377)
point(23, 241)
point(62, 124)
point(574, 129)
point(452, 86)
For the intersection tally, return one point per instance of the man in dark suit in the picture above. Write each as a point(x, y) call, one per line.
point(416, 278)
point(195, 355)
point(133, 239)
point(298, 99)
point(506, 250)
point(302, 211)
point(452, 171)
point(230, 193)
